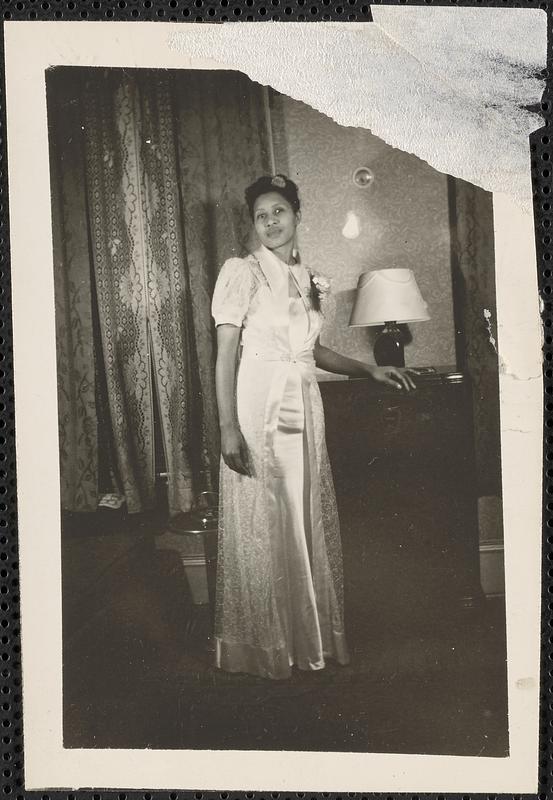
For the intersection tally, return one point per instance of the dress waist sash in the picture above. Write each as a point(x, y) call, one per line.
point(284, 362)
point(303, 359)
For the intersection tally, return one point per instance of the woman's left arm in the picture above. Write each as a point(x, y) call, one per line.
point(329, 360)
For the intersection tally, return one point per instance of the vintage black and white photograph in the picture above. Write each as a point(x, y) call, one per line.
point(278, 460)
point(279, 427)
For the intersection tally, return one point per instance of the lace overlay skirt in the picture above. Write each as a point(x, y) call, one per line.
point(279, 577)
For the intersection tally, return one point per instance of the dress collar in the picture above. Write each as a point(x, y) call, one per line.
point(276, 274)
point(275, 270)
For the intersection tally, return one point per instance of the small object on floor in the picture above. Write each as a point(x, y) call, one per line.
point(112, 500)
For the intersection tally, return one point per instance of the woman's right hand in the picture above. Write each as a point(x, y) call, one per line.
point(235, 450)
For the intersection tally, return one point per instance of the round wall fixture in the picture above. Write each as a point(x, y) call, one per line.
point(363, 177)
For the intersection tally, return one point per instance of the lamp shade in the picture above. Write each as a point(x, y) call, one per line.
point(386, 295)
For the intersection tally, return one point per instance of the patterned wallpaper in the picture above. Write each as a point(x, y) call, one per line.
point(403, 220)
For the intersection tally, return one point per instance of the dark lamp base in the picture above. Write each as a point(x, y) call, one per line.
point(388, 348)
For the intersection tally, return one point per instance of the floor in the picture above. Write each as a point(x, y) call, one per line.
point(137, 674)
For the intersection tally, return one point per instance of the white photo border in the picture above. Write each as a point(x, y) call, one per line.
point(31, 48)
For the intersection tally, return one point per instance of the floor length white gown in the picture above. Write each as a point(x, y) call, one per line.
point(279, 577)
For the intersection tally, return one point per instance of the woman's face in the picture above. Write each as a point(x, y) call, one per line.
point(275, 220)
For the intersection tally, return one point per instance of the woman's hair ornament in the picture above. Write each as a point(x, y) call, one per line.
point(279, 181)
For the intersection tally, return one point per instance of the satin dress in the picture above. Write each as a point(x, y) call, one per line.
point(279, 596)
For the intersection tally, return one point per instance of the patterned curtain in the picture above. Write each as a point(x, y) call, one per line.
point(119, 257)
point(219, 154)
point(474, 288)
point(164, 157)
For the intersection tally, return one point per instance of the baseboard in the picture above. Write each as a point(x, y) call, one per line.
point(191, 551)
point(492, 570)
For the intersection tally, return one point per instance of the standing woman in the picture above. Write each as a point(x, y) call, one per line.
point(279, 577)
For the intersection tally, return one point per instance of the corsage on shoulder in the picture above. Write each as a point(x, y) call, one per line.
point(320, 289)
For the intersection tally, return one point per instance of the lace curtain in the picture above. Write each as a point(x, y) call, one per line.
point(148, 170)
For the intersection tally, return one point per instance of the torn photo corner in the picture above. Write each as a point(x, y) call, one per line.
point(349, 207)
point(467, 108)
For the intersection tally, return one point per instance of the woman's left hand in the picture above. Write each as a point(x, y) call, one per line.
point(396, 377)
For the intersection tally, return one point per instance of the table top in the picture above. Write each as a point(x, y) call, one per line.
point(447, 373)
point(424, 376)
point(203, 521)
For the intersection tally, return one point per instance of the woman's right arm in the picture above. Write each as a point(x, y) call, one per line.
point(233, 445)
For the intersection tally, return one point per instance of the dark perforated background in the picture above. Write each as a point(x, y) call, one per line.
point(541, 153)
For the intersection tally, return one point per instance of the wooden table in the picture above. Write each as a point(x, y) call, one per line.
point(405, 462)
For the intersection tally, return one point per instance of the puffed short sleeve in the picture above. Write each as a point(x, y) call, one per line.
point(232, 294)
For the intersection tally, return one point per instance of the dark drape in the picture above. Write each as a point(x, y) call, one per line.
point(473, 276)
point(77, 410)
point(148, 171)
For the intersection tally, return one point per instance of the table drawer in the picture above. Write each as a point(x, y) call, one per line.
point(399, 423)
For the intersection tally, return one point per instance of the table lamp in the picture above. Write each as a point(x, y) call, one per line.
point(388, 297)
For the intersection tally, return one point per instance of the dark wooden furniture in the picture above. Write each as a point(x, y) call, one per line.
point(404, 472)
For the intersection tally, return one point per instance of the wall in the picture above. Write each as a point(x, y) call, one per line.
point(403, 215)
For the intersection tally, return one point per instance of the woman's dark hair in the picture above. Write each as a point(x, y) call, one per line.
point(273, 183)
